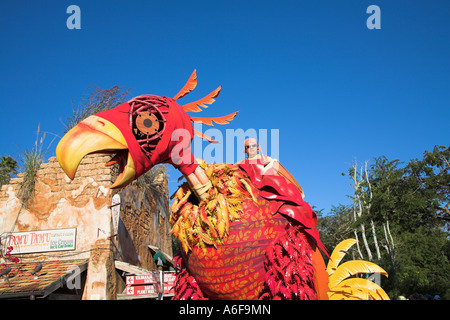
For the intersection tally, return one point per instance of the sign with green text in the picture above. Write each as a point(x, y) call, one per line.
point(42, 240)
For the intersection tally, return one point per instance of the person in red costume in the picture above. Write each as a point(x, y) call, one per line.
point(271, 166)
point(279, 187)
point(251, 148)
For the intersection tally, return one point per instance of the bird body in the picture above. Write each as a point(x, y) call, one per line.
point(244, 260)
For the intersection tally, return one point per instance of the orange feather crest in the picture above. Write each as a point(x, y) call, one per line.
point(218, 120)
point(188, 87)
point(194, 106)
point(204, 136)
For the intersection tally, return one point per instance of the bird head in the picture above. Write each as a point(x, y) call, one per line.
point(143, 132)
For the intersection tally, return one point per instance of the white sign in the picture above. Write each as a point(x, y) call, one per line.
point(42, 240)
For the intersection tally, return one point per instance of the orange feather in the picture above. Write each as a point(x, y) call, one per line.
point(204, 136)
point(188, 87)
point(194, 106)
point(218, 120)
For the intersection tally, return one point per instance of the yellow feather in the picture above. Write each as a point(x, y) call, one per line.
point(205, 237)
point(371, 288)
point(359, 293)
point(342, 296)
point(221, 228)
point(234, 213)
point(175, 229)
point(351, 268)
point(249, 189)
point(338, 253)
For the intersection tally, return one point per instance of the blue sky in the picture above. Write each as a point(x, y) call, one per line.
point(334, 89)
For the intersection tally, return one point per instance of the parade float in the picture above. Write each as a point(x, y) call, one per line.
point(244, 228)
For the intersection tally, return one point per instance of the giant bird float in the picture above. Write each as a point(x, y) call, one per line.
point(245, 231)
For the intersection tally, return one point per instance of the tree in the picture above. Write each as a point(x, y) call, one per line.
point(385, 178)
point(8, 167)
point(423, 266)
point(95, 101)
point(404, 209)
point(335, 226)
point(362, 202)
point(431, 180)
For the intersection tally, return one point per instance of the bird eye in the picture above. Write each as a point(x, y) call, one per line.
point(147, 123)
point(147, 120)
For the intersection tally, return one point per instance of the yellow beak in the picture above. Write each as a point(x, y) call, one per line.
point(96, 135)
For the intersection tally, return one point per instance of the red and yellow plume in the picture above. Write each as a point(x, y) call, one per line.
point(195, 106)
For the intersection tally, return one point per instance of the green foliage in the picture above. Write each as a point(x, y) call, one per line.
point(423, 265)
point(335, 226)
point(31, 161)
point(8, 167)
point(411, 201)
point(430, 178)
point(95, 101)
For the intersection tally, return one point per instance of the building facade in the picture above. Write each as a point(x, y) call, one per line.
point(77, 239)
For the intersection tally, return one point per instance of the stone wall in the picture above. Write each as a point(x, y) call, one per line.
point(59, 202)
point(84, 204)
point(144, 218)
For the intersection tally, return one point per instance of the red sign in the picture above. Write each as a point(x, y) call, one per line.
point(140, 290)
point(141, 279)
point(169, 282)
point(168, 288)
point(149, 283)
